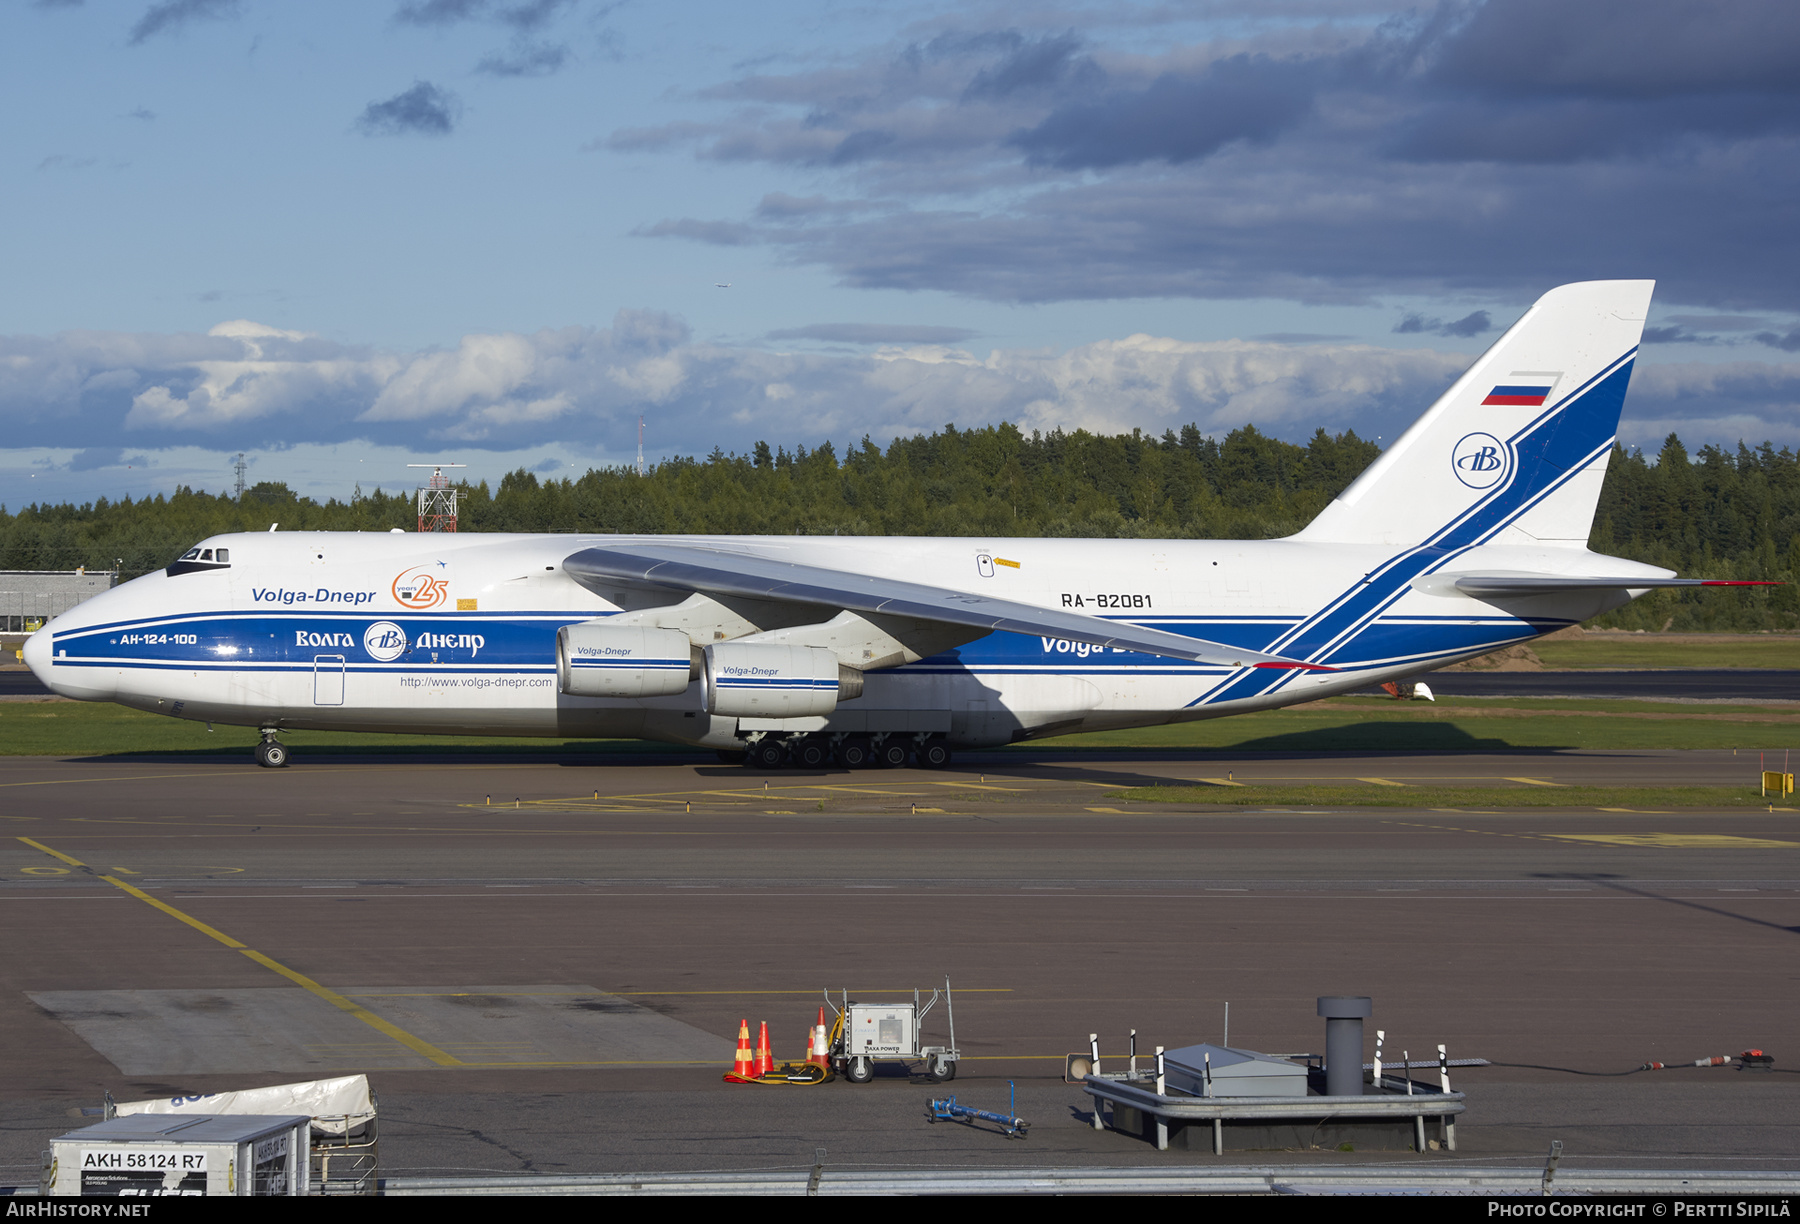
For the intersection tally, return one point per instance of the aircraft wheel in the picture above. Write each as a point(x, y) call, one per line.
point(271, 754)
point(855, 752)
point(935, 754)
point(767, 754)
point(810, 753)
point(859, 1071)
point(892, 754)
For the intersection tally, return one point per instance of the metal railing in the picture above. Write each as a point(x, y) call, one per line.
point(803, 1180)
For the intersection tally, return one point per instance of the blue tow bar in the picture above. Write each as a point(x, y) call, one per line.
point(947, 1110)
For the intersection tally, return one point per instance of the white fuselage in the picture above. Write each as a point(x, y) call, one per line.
point(456, 633)
point(1493, 490)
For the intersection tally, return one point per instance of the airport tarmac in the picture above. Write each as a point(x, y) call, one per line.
point(542, 964)
point(1741, 684)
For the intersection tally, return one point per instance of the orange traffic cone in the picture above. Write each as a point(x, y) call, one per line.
point(818, 1054)
point(744, 1066)
point(765, 1058)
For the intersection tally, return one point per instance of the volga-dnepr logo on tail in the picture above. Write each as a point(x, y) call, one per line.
point(1480, 460)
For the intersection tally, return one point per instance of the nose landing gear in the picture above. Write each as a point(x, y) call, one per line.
point(271, 753)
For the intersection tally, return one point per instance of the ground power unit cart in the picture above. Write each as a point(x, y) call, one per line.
point(867, 1033)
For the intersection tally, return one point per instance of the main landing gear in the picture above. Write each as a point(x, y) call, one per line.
point(271, 753)
point(813, 751)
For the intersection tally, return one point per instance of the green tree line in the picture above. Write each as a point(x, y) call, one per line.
point(1717, 515)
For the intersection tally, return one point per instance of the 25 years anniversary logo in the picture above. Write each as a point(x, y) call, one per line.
point(420, 587)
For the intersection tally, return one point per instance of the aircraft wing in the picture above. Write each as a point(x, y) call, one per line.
point(1483, 585)
point(718, 571)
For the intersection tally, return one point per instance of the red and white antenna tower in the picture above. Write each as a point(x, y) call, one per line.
point(640, 446)
point(437, 498)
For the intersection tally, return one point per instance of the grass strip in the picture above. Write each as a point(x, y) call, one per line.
point(1648, 651)
point(1636, 799)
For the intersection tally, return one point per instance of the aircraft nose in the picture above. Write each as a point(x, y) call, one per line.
point(37, 656)
point(83, 684)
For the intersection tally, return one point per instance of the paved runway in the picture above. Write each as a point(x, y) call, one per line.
point(1685, 684)
point(555, 984)
point(18, 682)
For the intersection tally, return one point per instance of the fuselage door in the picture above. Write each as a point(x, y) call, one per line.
point(328, 680)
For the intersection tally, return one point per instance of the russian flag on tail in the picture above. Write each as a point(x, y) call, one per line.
point(1517, 397)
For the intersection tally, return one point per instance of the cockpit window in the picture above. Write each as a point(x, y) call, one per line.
point(196, 559)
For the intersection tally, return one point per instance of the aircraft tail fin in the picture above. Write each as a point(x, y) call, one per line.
point(1515, 451)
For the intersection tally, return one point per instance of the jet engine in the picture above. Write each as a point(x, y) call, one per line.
point(761, 680)
point(600, 660)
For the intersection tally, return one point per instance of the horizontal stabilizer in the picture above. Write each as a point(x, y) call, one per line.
point(1483, 585)
point(746, 575)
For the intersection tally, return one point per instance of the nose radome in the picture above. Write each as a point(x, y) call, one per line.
point(81, 683)
point(37, 655)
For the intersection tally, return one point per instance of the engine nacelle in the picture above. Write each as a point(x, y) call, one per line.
point(759, 680)
point(600, 660)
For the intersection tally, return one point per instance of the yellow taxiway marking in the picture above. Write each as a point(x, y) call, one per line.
point(227, 772)
point(1111, 811)
point(510, 1066)
point(55, 854)
point(126, 778)
point(790, 791)
point(1534, 782)
point(482, 994)
point(1382, 781)
point(1679, 841)
point(1221, 782)
point(864, 791)
point(814, 991)
point(747, 794)
point(417, 1044)
point(1638, 811)
point(546, 1065)
point(1407, 824)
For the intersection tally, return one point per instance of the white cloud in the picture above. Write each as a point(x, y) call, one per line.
point(482, 369)
point(248, 386)
point(251, 389)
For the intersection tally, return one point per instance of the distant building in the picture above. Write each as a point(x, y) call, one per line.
point(34, 596)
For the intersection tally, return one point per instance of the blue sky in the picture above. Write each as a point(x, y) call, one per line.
point(342, 237)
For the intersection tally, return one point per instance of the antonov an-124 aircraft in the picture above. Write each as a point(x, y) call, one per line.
point(1468, 534)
